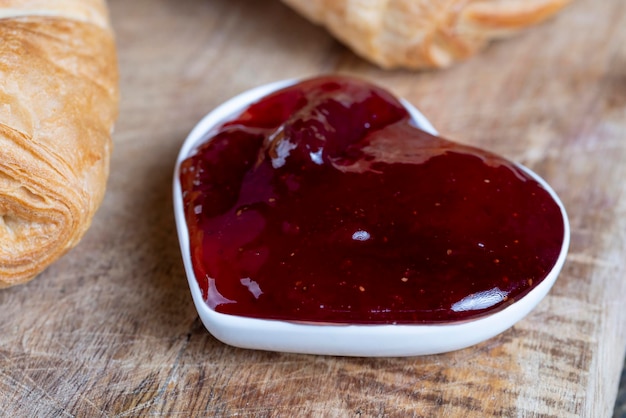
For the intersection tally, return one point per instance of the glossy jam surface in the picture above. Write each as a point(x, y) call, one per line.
point(323, 203)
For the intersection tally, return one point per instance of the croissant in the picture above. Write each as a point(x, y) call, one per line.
point(423, 33)
point(58, 104)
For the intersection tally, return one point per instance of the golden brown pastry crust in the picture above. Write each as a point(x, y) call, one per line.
point(423, 33)
point(58, 103)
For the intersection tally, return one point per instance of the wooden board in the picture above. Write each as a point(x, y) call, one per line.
point(110, 329)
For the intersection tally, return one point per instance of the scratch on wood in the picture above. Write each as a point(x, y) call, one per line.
point(590, 260)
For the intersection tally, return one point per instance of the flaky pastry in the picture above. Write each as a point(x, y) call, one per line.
point(422, 33)
point(58, 103)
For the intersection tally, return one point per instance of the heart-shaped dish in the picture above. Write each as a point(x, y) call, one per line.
point(333, 339)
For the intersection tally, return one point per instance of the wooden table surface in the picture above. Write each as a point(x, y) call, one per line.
point(110, 329)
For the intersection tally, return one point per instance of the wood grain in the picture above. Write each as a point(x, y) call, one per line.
point(110, 329)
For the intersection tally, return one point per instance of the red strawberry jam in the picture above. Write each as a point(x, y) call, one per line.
point(322, 202)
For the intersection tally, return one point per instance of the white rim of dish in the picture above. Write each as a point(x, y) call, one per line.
point(368, 340)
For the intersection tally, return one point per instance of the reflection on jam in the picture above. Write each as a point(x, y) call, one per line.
point(323, 203)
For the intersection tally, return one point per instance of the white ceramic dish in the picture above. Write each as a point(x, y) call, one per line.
point(344, 340)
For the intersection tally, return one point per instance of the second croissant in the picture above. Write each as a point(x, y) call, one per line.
point(423, 33)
